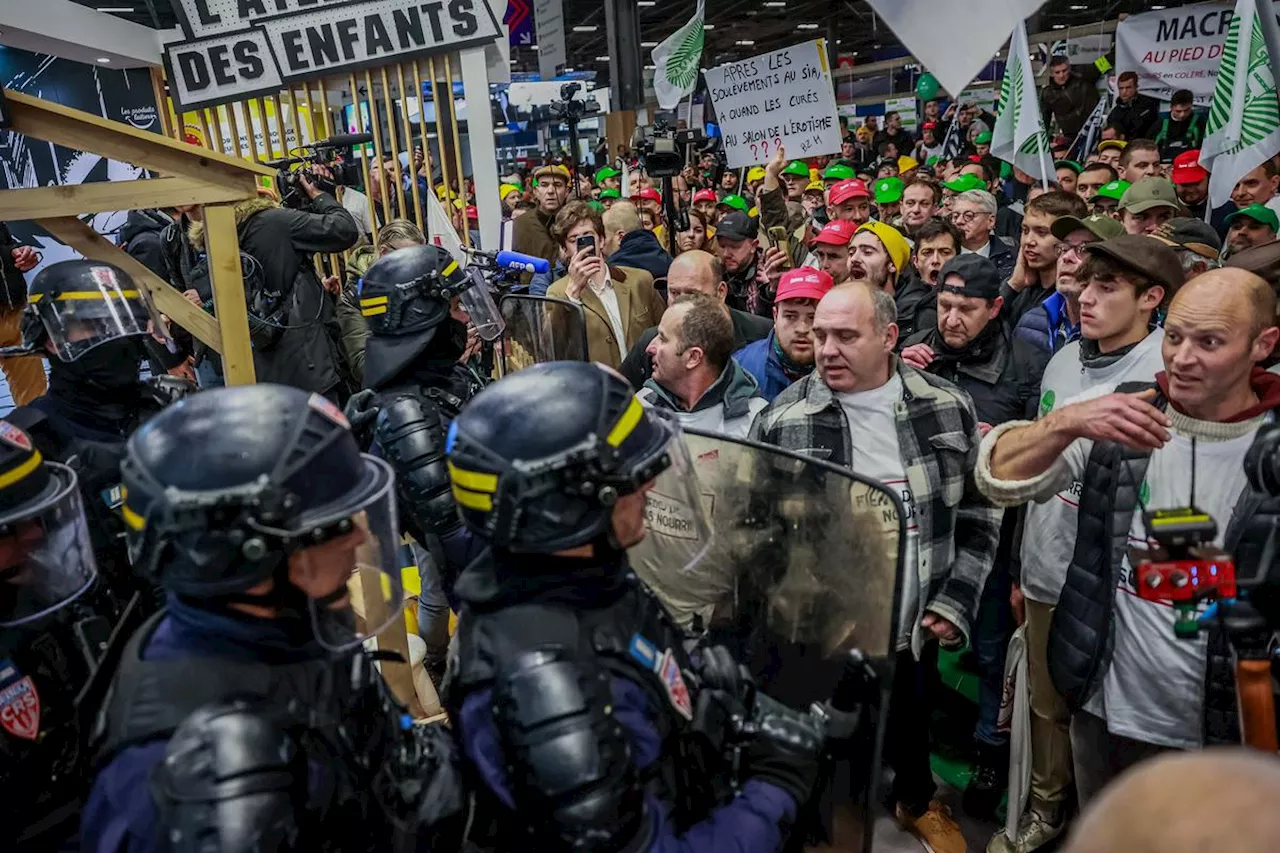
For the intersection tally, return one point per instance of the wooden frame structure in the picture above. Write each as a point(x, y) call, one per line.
point(187, 174)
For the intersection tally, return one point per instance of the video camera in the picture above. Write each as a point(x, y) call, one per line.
point(334, 154)
point(661, 148)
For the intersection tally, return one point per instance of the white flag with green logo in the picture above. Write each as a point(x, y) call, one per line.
point(1019, 136)
point(1243, 130)
point(677, 60)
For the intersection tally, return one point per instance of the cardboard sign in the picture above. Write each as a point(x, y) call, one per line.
point(237, 49)
point(779, 98)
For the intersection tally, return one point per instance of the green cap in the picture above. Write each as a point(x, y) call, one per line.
point(933, 160)
point(1102, 227)
point(797, 168)
point(1068, 164)
point(888, 190)
point(838, 172)
point(1259, 213)
point(610, 193)
point(598, 207)
point(983, 138)
point(735, 201)
point(1148, 194)
point(1115, 190)
point(964, 183)
point(606, 172)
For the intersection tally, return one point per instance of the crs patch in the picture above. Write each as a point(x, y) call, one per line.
point(673, 682)
point(325, 406)
point(19, 705)
point(15, 437)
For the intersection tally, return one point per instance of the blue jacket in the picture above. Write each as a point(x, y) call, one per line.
point(640, 249)
point(1046, 326)
point(760, 359)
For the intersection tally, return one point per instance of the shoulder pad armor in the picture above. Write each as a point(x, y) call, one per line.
point(411, 433)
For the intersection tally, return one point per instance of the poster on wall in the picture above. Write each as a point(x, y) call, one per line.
point(115, 94)
point(236, 49)
point(1178, 48)
point(906, 110)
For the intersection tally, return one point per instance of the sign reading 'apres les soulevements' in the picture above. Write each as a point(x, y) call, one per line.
point(235, 49)
point(779, 98)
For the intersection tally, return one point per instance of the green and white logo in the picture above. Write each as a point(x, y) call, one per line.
point(1047, 399)
point(1144, 493)
point(677, 60)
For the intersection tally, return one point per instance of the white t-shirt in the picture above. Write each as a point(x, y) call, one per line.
point(357, 204)
point(1049, 534)
point(873, 429)
point(1153, 690)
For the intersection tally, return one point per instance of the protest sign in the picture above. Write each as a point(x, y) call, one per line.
point(1177, 48)
point(236, 49)
point(779, 98)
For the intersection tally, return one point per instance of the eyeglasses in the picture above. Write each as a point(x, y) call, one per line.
point(1078, 248)
point(964, 218)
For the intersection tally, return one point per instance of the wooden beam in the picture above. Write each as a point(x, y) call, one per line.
point(78, 130)
point(223, 248)
point(77, 199)
point(167, 299)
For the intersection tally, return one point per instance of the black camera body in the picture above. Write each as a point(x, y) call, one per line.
point(334, 153)
point(661, 149)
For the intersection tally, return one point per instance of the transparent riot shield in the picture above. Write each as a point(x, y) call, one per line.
point(539, 330)
point(801, 575)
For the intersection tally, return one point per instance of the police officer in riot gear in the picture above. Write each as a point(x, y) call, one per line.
point(571, 690)
point(50, 625)
point(418, 302)
point(246, 715)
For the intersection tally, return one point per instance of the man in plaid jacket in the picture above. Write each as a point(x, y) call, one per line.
point(865, 409)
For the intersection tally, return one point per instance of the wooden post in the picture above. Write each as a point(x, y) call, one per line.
point(390, 104)
point(408, 144)
point(215, 126)
point(375, 127)
point(248, 130)
point(457, 149)
point(335, 261)
point(234, 127)
point(426, 143)
point(162, 100)
point(364, 161)
point(444, 154)
point(393, 638)
point(228, 292)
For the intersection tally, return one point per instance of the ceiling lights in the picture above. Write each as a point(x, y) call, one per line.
point(745, 43)
point(806, 26)
point(586, 28)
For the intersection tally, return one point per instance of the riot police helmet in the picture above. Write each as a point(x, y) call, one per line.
point(46, 559)
point(540, 460)
point(259, 495)
point(408, 296)
point(82, 304)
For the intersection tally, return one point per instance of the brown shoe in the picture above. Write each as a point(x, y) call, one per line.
point(936, 829)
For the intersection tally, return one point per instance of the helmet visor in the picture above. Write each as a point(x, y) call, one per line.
point(79, 320)
point(352, 576)
point(478, 302)
point(46, 559)
point(677, 507)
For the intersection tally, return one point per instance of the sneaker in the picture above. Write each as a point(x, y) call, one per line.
point(936, 829)
point(986, 786)
point(1033, 833)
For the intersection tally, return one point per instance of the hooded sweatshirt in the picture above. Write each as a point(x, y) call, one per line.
point(727, 407)
point(1049, 535)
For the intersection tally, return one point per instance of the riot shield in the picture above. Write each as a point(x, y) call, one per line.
point(803, 569)
point(541, 330)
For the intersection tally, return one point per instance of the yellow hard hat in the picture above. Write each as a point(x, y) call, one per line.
point(906, 164)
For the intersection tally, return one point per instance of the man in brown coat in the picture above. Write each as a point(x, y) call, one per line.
point(619, 302)
point(531, 233)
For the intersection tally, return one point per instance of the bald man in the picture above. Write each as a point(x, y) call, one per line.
point(693, 272)
point(1148, 694)
point(1218, 799)
point(628, 244)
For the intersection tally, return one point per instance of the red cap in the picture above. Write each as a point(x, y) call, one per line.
point(705, 195)
point(472, 212)
point(803, 283)
point(929, 125)
point(1187, 168)
point(847, 189)
point(974, 158)
point(650, 194)
point(837, 232)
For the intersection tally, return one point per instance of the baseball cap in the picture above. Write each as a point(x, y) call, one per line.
point(816, 186)
point(797, 168)
point(649, 194)
point(838, 172)
point(597, 206)
point(980, 276)
point(964, 183)
point(1259, 213)
point(1102, 227)
point(507, 189)
point(1262, 261)
point(473, 212)
point(1149, 193)
point(1068, 164)
point(606, 172)
point(983, 138)
point(894, 243)
point(803, 283)
point(1145, 255)
point(610, 193)
point(1194, 235)
point(734, 201)
point(1187, 168)
point(551, 170)
point(1106, 144)
point(929, 125)
point(755, 173)
point(906, 164)
point(737, 226)
point(1115, 190)
point(845, 190)
point(705, 195)
point(837, 232)
point(888, 190)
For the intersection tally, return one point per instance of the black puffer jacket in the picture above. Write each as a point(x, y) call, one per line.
point(1071, 102)
point(143, 237)
point(1002, 374)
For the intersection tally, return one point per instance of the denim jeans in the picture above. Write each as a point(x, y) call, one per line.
point(208, 375)
point(433, 607)
point(991, 636)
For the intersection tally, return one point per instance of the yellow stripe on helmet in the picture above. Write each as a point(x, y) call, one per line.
point(626, 424)
point(371, 312)
point(475, 481)
point(373, 300)
point(76, 295)
point(472, 500)
point(131, 518)
point(450, 270)
point(8, 478)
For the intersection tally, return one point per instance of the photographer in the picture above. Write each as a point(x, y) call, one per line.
point(282, 242)
point(1134, 688)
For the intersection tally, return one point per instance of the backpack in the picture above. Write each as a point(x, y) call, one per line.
point(268, 307)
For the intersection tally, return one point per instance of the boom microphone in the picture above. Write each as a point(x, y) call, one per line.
point(344, 140)
point(521, 262)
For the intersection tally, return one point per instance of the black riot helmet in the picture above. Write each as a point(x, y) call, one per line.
point(46, 559)
point(79, 305)
point(237, 486)
point(406, 297)
point(538, 459)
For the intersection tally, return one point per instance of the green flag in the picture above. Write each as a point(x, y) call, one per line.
point(1019, 136)
point(677, 60)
